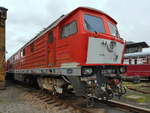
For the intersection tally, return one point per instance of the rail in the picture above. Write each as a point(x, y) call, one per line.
point(127, 107)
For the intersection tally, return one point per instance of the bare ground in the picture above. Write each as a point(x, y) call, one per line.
point(11, 101)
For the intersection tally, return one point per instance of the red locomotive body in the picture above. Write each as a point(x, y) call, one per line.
point(138, 64)
point(82, 44)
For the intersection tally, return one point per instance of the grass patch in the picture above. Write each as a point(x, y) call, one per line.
point(136, 98)
point(134, 85)
point(1, 101)
point(144, 97)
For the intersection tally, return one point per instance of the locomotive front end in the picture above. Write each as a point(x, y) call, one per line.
point(104, 61)
point(104, 67)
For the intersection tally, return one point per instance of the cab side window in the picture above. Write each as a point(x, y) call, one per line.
point(24, 52)
point(69, 29)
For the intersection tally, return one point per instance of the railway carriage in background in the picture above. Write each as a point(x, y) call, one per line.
point(82, 49)
point(138, 66)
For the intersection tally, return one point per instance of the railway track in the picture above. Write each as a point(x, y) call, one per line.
point(73, 104)
point(59, 105)
point(127, 107)
point(53, 103)
point(147, 86)
point(137, 90)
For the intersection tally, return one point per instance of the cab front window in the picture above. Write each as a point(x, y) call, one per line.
point(94, 24)
point(113, 29)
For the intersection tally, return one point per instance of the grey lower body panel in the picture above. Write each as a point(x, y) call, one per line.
point(75, 71)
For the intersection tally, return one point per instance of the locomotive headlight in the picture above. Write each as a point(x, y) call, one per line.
point(122, 69)
point(87, 71)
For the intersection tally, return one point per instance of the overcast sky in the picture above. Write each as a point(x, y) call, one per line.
point(27, 17)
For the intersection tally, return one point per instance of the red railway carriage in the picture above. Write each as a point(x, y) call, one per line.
point(76, 48)
point(138, 64)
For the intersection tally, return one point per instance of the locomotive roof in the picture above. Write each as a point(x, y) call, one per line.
point(138, 54)
point(61, 18)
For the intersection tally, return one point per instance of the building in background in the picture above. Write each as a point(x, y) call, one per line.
point(3, 15)
point(133, 47)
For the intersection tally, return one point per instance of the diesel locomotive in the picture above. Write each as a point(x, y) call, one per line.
point(80, 52)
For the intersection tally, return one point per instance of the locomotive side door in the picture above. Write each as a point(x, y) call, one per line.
point(51, 49)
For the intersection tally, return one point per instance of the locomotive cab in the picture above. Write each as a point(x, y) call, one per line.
point(104, 43)
point(97, 52)
point(95, 42)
